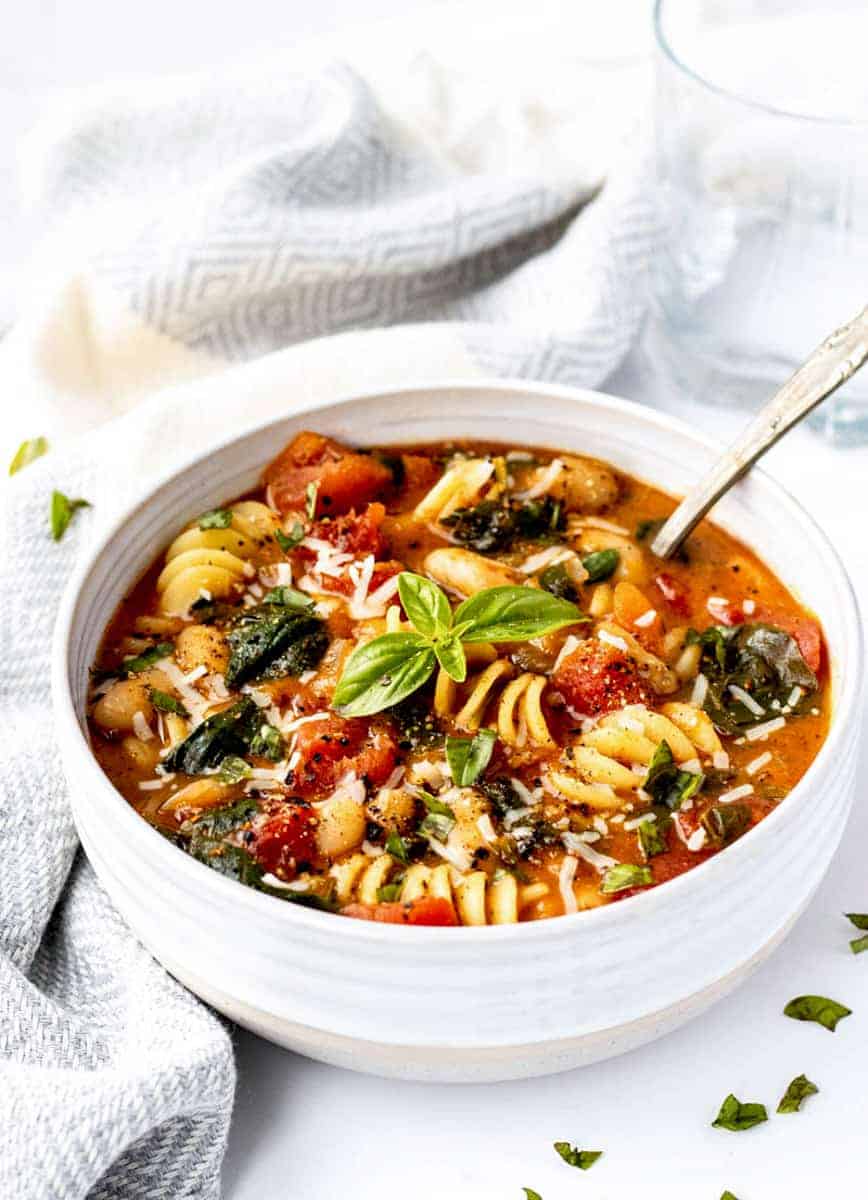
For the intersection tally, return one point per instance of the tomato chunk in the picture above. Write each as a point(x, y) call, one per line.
point(352, 534)
point(382, 572)
point(674, 593)
point(597, 678)
point(344, 478)
point(284, 839)
point(419, 472)
point(427, 910)
point(332, 746)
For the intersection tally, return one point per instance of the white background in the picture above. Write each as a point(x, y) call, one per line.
point(306, 1130)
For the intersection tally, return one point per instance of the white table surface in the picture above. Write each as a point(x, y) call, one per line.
point(302, 1129)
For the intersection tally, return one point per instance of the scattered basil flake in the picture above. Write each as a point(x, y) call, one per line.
point(601, 565)
point(623, 876)
point(799, 1089)
point(737, 1117)
point(652, 836)
point(468, 757)
point(233, 769)
point(166, 703)
point(389, 892)
point(27, 453)
point(666, 783)
point(530, 1194)
point(62, 511)
point(289, 541)
point(556, 579)
point(310, 493)
point(397, 847)
point(723, 823)
point(857, 945)
point(437, 825)
point(147, 659)
point(267, 742)
point(217, 518)
point(288, 597)
point(573, 1157)
point(728, 1196)
point(820, 1009)
point(860, 920)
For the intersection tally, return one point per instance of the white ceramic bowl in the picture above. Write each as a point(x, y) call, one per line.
point(470, 1004)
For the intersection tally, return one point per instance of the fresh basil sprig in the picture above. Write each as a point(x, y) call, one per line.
point(821, 1009)
point(468, 757)
point(386, 670)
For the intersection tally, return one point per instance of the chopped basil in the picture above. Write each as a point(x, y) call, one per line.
point(857, 945)
point(601, 565)
point(147, 659)
point(723, 823)
point(289, 598)
point(820, 1009)
point(530, 1194)
point(652, 836)
point(623, 876)
point(27, 453)
point(468, 757)
point(289, 541)
point(62, 511)
point(217, 518)
point(737, 1117)
point(397, 847)
point(573, 1157)
point(310, 493)
point(728, 1196)
point(800, 1088)
point(166, 703)
point(556, 579)
point(233, 769)
point(666, 783)
point(267, 743)
point(860, 920)
point(389, 892)
point(440, 820)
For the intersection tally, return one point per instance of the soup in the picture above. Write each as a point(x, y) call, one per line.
point(450, 684)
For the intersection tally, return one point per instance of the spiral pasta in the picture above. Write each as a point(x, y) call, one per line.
point(519, 714)
point(214, 561)
point(478, 898)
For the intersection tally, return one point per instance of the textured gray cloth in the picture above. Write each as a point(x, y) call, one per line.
point(244, 219)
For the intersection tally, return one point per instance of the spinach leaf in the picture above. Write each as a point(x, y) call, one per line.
point(623, 876)
point(666, 783)
point(723, 823)
point(737, 1117)
point(502, 794)
point(218, 518)
point(468, 757)
point(491, 526)
point(226, 733)
point(817, 1008)
point(271, 641)
point(800, 1088)
point(556, 579)
point(147, 659)
point(390, 892)
point(573, 1157)
point(27, 453)
point(601, 565)
point(216, 823)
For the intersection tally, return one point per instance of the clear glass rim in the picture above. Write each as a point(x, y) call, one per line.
point(677, 61)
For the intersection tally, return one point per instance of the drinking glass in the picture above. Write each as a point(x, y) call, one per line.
point(762, 160)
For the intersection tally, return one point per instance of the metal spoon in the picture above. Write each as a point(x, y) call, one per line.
point(833, 362)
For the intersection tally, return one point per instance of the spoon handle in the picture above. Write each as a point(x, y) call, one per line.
point(832, 363)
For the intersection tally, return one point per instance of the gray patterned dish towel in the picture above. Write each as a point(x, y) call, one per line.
point(236, 221)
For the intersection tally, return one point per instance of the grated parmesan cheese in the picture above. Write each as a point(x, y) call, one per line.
point(141, 728)
point(761, 732)
point(646, 619)
point(696, 840)
point(747, 700)
point(758, 763)
point(545, 481)
point(570, 644)
point(748, 606)
point(576, 844)
point(700, 691)
point(635, 822)
point(720, 760)
point(566, 875)
point(611, 640)
point(719, 608)
point(737, 793)
point(486, 828)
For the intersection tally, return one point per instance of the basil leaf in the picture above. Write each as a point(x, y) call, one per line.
point(382, 672)
point(437, 825)
point(723, 823)
point(233, 769)
point(397, 847)
point(623, 876)
point(601, 565)
point(62, 511)
point(817, 1008)
point(860, 920)
point(271, 641)
point(514, 614)
point(530, 1194)
point(310, 493)
point(218, 518)
point(141, 662)
point(583, 1159)
point(652, 836)
point(468, 757)
point(27, 453)
point(666, 783)
point(859, 944)
point(425, 605)
point(800, 1088)
point(289, 541)
point(289, 598)
point(227, 732)
point(451, 657)
point(267, 742)
point(737, 1117)
point(166, 703)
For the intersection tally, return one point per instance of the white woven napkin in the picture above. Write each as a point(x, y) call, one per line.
point(229, 222)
